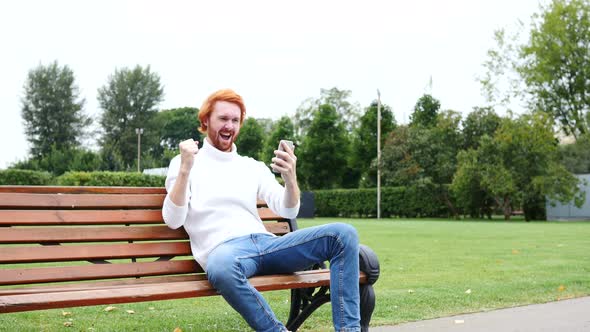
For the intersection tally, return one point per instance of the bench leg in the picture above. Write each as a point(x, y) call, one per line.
point(367, 305)
point(303, 303)
point(369, 264)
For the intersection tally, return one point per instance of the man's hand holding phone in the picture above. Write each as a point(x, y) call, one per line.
point(285, 161)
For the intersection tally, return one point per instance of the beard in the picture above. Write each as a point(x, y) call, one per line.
point(220, 142)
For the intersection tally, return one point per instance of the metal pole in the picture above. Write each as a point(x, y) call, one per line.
point(378, 154)
point(138, 131)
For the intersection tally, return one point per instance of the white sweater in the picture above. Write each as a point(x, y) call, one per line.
point(221, 199)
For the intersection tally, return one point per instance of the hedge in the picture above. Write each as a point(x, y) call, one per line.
point(25, 177)
point(117, 179)
point(411, 201)
point(41, 178)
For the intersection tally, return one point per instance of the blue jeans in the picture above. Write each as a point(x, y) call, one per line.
point(232, 262)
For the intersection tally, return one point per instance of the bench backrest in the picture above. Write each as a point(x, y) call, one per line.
point(62, 234)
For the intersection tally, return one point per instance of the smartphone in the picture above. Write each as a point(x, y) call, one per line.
point(289, 143)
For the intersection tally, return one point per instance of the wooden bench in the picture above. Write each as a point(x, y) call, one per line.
point(80, 246)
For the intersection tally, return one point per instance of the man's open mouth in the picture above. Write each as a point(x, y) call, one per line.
point(225, 136)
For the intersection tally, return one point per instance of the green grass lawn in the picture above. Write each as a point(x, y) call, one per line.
point(429, 268)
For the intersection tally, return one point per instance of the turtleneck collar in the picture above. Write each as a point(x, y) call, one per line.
point(213, 152)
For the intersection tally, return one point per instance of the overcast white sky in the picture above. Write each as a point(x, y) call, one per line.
point(274, 53)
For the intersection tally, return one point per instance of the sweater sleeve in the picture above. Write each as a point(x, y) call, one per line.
point(174, 215)
point(271, 191)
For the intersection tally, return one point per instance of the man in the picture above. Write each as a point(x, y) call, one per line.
point(212, 192)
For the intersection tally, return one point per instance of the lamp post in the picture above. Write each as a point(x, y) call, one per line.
point(138, 131)
point(378, 154)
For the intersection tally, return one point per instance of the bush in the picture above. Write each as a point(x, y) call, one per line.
point(411, 201)
point(60, 161)
point(24, 177)
point(118, 179)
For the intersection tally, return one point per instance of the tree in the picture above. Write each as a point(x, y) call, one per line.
point(419, 153)
point(177, 125)
point(282, 129)
point(397, 162)
point(364, 146)
point(481, 121)
point(419, 156)
point(251, 138)
point(502, 83)
point(550, 70)
point(52, 110)
point(466, 186)
point(576, 156)
point(324, 151)
point(425, 112)
point(519, 166)
point(129, 101)
point(557, 64)
point(348, 113)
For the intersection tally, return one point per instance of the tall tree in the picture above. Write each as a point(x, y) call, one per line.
point(324, 151)
point(425, 112)
point(129, 101)
point(52, 110)
point(557, 64)
point(549, 70)
point(251, 139)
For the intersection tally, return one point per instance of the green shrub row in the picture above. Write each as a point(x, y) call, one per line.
point(25, 177)
point(118, 179)
point(411, 201)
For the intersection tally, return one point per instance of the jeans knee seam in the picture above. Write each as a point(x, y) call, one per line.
point(335, 236)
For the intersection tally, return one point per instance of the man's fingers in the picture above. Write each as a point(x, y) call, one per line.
point(189, 146)
point(282, 166)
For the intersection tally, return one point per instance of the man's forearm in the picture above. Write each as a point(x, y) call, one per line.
point(291, 195)
point(178, 193)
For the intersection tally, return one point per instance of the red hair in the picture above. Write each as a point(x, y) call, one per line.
point(221, 95)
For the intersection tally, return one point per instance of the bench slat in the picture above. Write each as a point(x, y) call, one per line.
point(81, 190)
point(79, 217)
point(106, 233)
point(85, 285)
point(97, 271)
point(92, 252)
point(267, 214)
point(153, 292)
point(90, 234)
point(44, 201)
point(94, 217)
